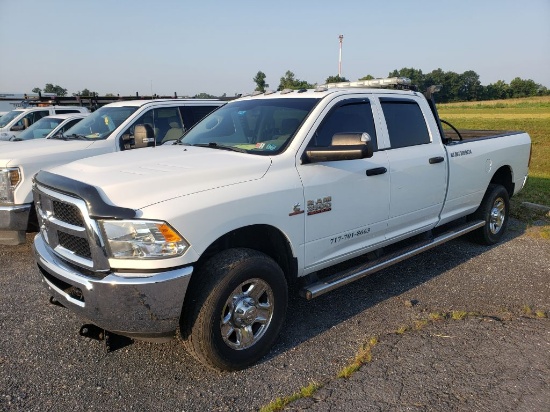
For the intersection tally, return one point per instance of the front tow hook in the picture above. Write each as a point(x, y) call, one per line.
point(112, 340)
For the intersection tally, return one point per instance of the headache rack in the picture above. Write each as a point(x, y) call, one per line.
point(399, 83)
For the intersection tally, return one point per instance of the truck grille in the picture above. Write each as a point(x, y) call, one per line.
point(67, 213)
point(78, 245)
point(66, 227)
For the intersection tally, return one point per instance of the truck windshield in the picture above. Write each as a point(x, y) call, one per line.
point(259, 126)
point(39, 129)
point(8, 117)
point(101, 123)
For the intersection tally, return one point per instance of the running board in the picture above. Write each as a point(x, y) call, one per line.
point(343, 278)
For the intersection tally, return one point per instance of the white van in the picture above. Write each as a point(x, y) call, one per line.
point(14, 122)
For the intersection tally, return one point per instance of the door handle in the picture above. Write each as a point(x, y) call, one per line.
point(376, 171)
point(437, 159)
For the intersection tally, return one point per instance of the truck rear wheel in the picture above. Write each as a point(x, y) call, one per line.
point(235, 309)
point(494, 210)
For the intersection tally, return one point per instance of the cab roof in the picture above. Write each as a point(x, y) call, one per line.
point(142, 102)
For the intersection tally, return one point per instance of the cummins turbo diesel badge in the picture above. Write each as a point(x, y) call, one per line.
point(319, 205)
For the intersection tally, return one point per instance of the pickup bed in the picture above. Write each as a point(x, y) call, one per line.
point(269, 194)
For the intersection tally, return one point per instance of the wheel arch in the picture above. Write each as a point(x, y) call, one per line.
point(261, 237)
point(504, 176)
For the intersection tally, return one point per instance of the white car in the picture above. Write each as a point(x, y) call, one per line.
point(49, 126)
point(14, 122)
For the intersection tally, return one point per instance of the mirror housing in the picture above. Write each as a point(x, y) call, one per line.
point(144, 136)
point(344, 146)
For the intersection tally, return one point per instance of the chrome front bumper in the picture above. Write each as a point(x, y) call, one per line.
point(14, 217)
point(14, 221)
point(139, 307)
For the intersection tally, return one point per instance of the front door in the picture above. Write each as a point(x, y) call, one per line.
point(346, 209)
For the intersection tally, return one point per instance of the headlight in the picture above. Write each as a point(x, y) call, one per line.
point(142, 239)
point(9, 179)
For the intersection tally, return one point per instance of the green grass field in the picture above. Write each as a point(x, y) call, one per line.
point(528, 114)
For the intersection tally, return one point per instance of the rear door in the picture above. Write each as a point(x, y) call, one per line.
point(418, 168)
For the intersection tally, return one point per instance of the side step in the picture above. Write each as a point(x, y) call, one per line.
point(343, 278)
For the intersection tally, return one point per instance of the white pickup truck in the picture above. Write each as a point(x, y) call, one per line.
point(14, 122)
point(47, 127)
point(207, 235)
point(109, 129)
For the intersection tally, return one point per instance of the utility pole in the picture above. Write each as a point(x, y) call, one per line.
point(341, 37)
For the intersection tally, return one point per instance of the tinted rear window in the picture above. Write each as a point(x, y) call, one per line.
point(406, 123)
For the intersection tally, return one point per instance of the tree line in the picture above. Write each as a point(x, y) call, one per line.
point(456, 86)
point(62, 92)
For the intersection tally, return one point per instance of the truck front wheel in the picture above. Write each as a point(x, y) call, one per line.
point(494, 210)
point(235, 309)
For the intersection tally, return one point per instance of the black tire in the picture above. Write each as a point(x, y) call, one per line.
point(494, 210)
point(235, 309)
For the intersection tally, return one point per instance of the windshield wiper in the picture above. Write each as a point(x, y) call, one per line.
point(73, 136)
point(214, 145)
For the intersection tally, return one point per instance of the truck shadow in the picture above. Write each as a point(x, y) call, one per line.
point(307, 319)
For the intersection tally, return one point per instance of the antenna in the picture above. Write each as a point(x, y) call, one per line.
point(341, 37)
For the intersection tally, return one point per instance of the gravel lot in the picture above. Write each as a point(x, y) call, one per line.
point(498, 361)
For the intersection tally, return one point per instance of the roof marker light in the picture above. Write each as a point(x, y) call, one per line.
point(397, 82)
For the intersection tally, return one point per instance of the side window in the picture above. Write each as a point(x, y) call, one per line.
point(406, 123)
point(193, 114)
point(68, 125)
point(351, 117)
point(33, 117)
point(40, 114)
point(169, 124)
point(61, 111)
point(165, 123)
point(147, 119)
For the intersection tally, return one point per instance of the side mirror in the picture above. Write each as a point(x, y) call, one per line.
point(17, 128)
point(144, 136)
point(344, 146)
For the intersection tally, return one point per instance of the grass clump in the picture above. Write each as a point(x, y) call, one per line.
point(280, 403)
point(541, 314)
point(434, 316)
point(364, 355)
point(537, 313)
point(419, 324)
point(458, 314)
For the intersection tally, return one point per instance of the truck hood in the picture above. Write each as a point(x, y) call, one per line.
point(138, 178)
point(43, 152)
